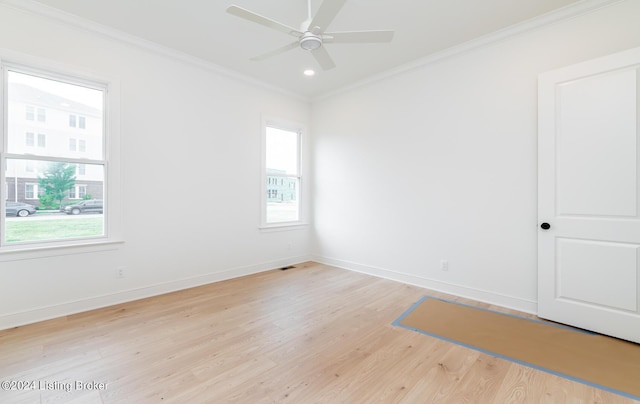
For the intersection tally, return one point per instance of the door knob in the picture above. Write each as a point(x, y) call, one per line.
point(545, 226)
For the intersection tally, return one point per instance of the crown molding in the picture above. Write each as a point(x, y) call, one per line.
point(550, 18)
point(544, 20)
point(39, 9)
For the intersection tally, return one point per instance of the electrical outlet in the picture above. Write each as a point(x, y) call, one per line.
point(444, 265)
point(121, 272)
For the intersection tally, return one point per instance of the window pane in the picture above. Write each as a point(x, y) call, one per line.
point(282, 151)
point(283, 200)
point(51, 103)
point(29, 139)
point(31, 191)
point(38, 205)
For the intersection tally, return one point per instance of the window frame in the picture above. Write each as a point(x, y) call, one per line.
point(272, 122)
point(30, 139)
point(76, 192)
point(30, 111)
point(35, 190)
point(110, 87)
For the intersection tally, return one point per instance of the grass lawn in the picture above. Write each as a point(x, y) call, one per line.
point(34, 229)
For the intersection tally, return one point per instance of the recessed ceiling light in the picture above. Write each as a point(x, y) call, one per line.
point(309, 72)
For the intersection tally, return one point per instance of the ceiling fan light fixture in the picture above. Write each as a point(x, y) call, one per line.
point(310, 42)
point(312, 34)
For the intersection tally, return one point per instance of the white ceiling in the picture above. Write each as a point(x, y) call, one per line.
point(202, 28)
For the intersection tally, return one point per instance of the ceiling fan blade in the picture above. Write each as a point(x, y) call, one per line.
point(358, 37)
point(326, 13)
point(278, 51)
point(259, 19)
point(322, 57)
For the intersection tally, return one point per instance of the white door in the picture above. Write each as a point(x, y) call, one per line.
point(588, 195)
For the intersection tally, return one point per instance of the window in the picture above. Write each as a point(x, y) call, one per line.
point(29, 139)
point(31, 191)
point(48, 173)
point(30, 114)
point(281, 196)
point(77, 121)
point(78, 192)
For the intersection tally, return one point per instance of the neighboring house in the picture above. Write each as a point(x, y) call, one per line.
point(52, 126)
point(279, 187)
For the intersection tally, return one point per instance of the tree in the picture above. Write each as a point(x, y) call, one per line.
point(46, 201)
point(57, 179)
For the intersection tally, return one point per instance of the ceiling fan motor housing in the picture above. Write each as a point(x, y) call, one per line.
point(310, 41)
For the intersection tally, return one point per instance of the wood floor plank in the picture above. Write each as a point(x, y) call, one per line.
point(312, 334)
point(482, 381)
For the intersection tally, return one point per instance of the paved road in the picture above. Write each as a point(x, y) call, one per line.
point(52, 216)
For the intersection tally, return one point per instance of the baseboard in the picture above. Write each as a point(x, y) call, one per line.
point(69, 308)
point(510, 302)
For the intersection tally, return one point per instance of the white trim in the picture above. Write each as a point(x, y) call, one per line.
point(85, 246)
point(550, 18)
point(36, 190)
point(78, 306)
point(33, 7)
point(283, 227)
point(511, 302)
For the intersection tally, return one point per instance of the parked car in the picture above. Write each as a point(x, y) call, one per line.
point(88, 206)
point(19, 209)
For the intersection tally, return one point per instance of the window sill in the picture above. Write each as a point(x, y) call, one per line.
point(283, 227)
point(44, 251)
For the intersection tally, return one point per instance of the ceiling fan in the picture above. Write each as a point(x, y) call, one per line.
point(312, 35)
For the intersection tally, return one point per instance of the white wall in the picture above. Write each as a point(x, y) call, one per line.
point(439, 162)
point(191, 178)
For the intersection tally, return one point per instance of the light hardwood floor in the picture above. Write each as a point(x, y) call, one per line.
point(313, 334)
